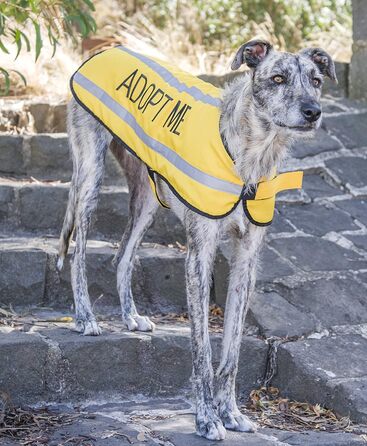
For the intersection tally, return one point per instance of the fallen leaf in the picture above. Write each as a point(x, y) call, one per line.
point(283, 405)
point(141, 436)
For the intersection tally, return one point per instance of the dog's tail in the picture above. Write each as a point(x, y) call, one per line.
point(68, 225)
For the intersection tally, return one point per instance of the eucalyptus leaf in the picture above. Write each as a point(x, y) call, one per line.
point(3, 48)
point(18, 41)
point(39, 43)
point(26, 40)
point(21, 76)
point(6, 76)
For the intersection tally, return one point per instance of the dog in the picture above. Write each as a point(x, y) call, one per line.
point(261, 113)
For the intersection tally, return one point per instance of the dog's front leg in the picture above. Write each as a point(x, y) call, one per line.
point(202, 239)
point(241, 286)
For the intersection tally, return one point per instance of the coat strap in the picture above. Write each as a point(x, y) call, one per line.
point(283, 181)
point(153, 185)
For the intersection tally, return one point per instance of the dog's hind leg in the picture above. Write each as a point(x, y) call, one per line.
point(89, 142)
point(202, 236)
point(142, 208)
point(241, 286)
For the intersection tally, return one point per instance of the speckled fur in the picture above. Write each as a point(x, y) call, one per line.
point(259, 120)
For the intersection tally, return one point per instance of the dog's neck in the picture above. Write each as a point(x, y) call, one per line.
point(256, 145)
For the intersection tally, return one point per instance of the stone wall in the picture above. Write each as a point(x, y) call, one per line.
point(358, 75)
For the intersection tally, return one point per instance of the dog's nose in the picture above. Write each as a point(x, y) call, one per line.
point(311, 112)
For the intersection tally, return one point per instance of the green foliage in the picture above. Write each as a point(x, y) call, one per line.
point(289, 18)
point(25, 24)
point(223, 24)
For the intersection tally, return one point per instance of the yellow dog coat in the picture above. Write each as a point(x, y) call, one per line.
point(170, 120)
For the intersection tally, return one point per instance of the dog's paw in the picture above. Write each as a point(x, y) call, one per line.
point(211, 430)
point(88, 327)
point(236, 421)
point(139, 323)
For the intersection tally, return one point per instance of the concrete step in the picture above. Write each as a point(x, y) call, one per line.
point(39, 208)
point(28, 275)
point(57, 364)
point(46, 157)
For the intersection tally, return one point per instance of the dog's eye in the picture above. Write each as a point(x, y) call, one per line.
point(316, 81)
point(278, 79)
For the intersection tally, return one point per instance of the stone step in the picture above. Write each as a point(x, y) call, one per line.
point(57, 364)
point(33, 115)
point(30, 206)
point(39, 208)
point(28, 275)
point(123, 422)
point(46, 157)
point(44, 360)
point(329, 369)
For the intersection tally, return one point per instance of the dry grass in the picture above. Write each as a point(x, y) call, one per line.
point(48, 77)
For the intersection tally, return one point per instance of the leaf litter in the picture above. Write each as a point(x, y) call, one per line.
point(34, 426)
point(23, 321)
point(216, 317)
point(271, 410)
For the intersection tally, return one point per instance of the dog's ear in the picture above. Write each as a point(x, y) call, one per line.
point(251, 53)
point(322, 60)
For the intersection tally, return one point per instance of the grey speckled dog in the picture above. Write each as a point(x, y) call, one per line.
point(261, 113)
